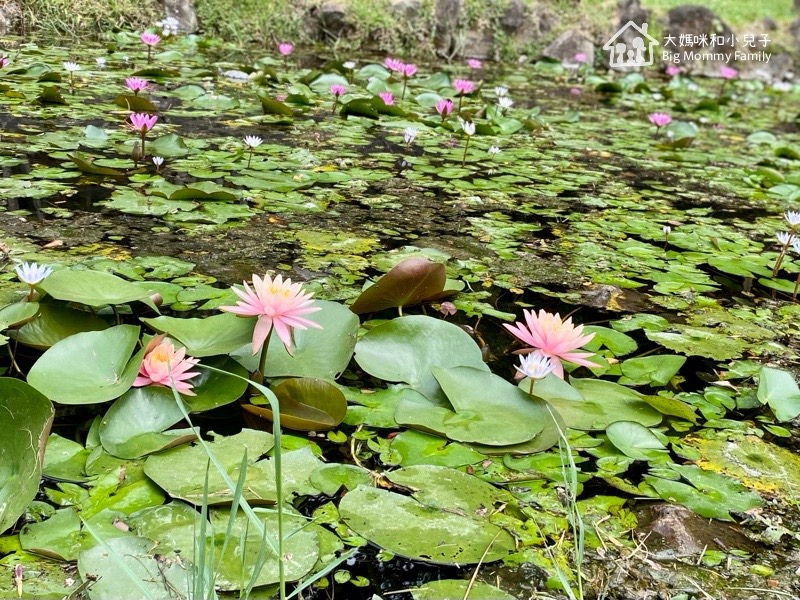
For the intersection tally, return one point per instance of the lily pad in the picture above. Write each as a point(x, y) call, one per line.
point(412, 281)
point(409, 528)
point(779, 390)
point(306, 404)
point(93, 288)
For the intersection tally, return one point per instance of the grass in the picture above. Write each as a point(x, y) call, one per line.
point(76, 18)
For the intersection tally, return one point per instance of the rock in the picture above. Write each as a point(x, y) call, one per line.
point(687, 23)
point(183, 12)
point(405, 10)
point(794, 29)
point(10, 17)
point(631, 10)
point(774, 70)
point(331, 19)
point(478, 44)
point(514, 16)
point(446, 16)
point(567, 45)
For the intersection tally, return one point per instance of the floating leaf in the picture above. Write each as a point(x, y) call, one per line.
point(88, 368)
point(88, 167)
point(135, 103)
point(218, 334)
point(274, 107)
point(93, 288)
point(636, 441)
point(25, 419)
point(306, 404)
point(651, 370)
point(458, 589)
point(412, 281)
point(779, 390)
point(54, 323)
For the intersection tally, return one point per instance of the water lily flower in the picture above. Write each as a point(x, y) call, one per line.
point(469, 129)
point(285, 48)
point(727, 72)
point(474, 63)
point(535, 366)
point(101, 62)
point(409, 134)
point(158, 161)
point(673, 70)
point(136, 84)
point(444, 107)
point(550, 336)
point(505, 102)
point(32, 273)
point(393, 64)
point(162, 362)
point(169, 26)
point(252, 142)
point(406, 70)
point(278, 304)
point(462, 87)
point(659, 120)
point(71, 67)
point(793, 217)
point(141, 123)
point(447, 308)
point(149, 40)
point(493, 150)
point(387, 97)
point(337, 90)
point(784, 238)
point(666, 229)
point(782, 86)
point(500, 91)
point(4, 60)
point(580, 57)
point(349, 65)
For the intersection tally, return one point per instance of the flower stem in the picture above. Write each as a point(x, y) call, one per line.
point(258, 376)
point(405, 83)
point(466, 147)
point(142, 134)
point(796, 285)
point(530, 390)
point(335, 104)
point(249, 158)
point(460, 99)
point(149, 48)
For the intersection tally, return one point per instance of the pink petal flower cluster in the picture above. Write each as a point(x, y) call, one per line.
point(142, 122)
point(395, 65)
point(387, 97)
point(727, 72)
point(278, 304)
point(463, 86)
point(549, 336)
point(4, 60)
point(580, 57)
point(474, 63)
point(162, 360)
point(136, 84)
point(672, 70)
point(659, 119)
point(149, 39)
point(444, 107)
point(337, 89)
point(408, 70)
point(285, 48)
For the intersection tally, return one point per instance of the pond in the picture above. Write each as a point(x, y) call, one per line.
point(541, 327)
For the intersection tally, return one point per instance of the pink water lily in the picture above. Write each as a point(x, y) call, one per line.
point(4, 60)
point(549, 336)
point(149, 40)
point(672, 70)
point(408, 70)
point(463, 86)
point(387, 97)
point(285, 48)
point(727, 72)
point(444, 107)
point(659, 119)
point(278, 304)
point(162, 360)
point(474, 63)
point(136, 84)
point(580, 57)
point(143, 122)
point(338, 90)
point(393, 64)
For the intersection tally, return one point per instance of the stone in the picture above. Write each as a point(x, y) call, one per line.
point(693, 22)
point(10, 16)
point(332, 19)
point(406, 10)
point(567, 45)
point(183, 12)
point(514, 16)
point(478, 44)
point(446, 17)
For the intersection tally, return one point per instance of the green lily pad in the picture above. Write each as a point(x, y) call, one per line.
point(406, 349)
point(218, 334)
point(636, 441)
point(458, 589)
point(306, 404)
point(412, 281)
point(699, 341)
point(87, 368)
point(86, 166)
point(135, 103)
point(651, 370)
point(779, 390)
point(409, 528)
point(93, 288)
point(417, 448)
point(329, 479)
point(54, 323)
point(64, 460)
point(25, 417)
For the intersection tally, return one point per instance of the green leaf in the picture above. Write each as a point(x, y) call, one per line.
point(168, 146)
point(416, 448)
point(135, 103)
point(636, 441)
point(779, 390)
point(88, 368)
point(86, 166)
point(457, 589)
point(619, 343)
point(658, 370)
point(408, 528)
point(135, 424)
point(54, 323)
point(271, 106)
point(93, 288)
point(25, 419)
point(406, 349)
point(329, 479)
point(64, 460)
point(306, 404)
point(218, 334)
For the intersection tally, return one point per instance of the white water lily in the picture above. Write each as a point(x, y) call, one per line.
point(500, 91)
point(666, 229)
point(32, 273)
point(252, 141)
point(505, 102)
point(158, 161)
point(71, 67)
point(493, 150)
point(793, 217)
point(468, 127)
point(535, 366)
point(785, 238)
point(409, 134)
point(349, 65)
point(101, 62)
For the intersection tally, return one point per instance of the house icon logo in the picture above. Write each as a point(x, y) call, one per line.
point(637, 52)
